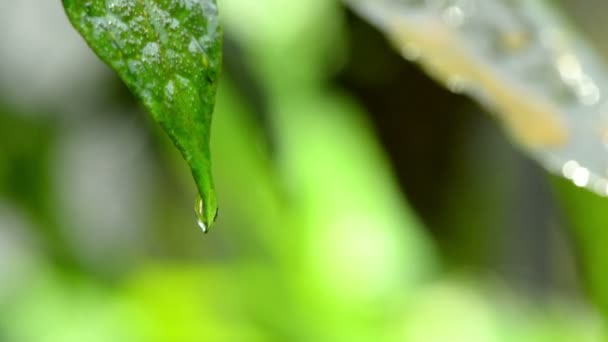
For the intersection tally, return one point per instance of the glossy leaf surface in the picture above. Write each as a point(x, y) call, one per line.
point(168, 52)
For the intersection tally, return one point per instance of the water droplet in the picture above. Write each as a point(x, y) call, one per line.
point(200, 214)
point(569, 168)
point(151, 52)
point(581, 177)
point(456, 84)
point(172, 23)
point(571, 72)
point(600, 187)
point(410, 52)
point(588, 92)
point(454, 16)
point(134, 66)
point(193, 47)
point(569, 67)
point(169, 90)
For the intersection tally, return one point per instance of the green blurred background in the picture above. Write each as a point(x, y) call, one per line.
point(359, 200)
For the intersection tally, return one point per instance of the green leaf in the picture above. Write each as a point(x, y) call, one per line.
point(168, 52)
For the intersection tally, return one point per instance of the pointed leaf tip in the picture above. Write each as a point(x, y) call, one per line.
point(169, 55)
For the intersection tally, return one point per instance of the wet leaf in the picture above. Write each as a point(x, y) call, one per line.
point(521, 60)
point(168, 52)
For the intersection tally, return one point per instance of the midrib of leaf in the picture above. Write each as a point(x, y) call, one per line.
point(168, 52)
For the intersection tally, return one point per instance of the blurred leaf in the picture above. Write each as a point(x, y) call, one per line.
point(587, 215)
point(192, 303)
point(67, 308)
point(520, 59)
point(169, 54)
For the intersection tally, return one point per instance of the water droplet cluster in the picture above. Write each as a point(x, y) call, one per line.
point(515, 58)
point(145, 36)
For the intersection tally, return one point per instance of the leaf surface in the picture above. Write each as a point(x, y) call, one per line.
point(168, 52)
point(522, 61)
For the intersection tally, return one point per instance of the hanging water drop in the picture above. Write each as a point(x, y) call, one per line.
point(200, 214)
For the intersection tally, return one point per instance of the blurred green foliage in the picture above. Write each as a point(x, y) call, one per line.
point(315, 239)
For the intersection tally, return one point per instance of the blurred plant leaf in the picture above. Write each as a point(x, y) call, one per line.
point(521, 60)
point(586, 214)
point(169, 54)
